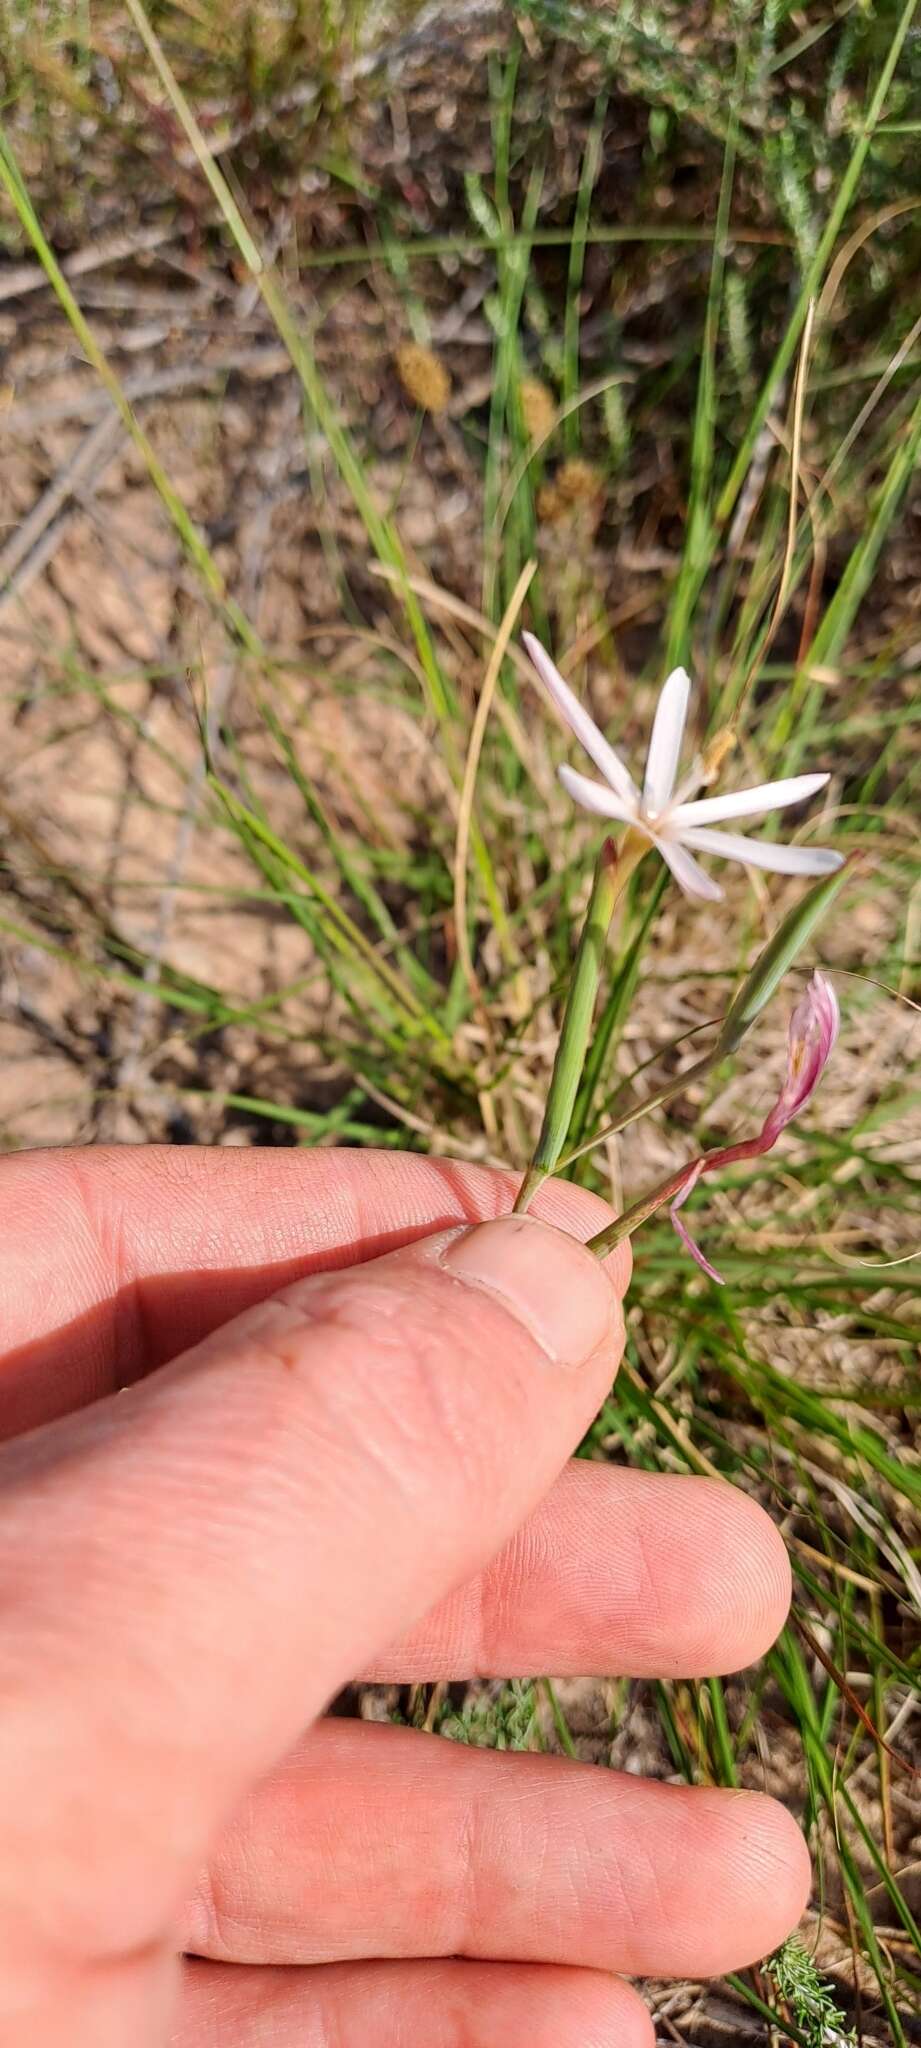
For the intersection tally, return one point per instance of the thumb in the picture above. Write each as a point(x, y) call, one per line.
point(195, 1565)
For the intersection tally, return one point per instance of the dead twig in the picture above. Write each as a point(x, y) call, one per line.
point(29, 277)
point(39, 535)
point(89, 403)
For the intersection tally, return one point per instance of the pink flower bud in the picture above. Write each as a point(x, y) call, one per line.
point(813, 1030)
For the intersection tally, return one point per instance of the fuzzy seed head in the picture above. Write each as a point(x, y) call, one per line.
point(538, 408)
point(423, 376)
point(577, 491)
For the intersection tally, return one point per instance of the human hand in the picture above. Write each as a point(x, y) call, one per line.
point(288, 1488)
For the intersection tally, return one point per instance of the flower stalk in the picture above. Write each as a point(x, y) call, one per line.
point(613, 869)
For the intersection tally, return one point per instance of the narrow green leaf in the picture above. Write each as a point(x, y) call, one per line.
point(779, 954)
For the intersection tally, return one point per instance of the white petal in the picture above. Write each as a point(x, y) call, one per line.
point(759, 853)
point(688, 874)
point(595, 796)
point(667, 735)
point(580, 722)
point(746, 803)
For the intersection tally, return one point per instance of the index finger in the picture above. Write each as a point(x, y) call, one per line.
point(116, 1259)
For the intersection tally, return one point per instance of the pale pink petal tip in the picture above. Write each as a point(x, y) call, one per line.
point(689, 1243)
point(826, 1011)
point(580, 722)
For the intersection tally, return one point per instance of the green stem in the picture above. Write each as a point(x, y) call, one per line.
point(615, 1010)
point(623, 1226)
point(722, 1738)
point(613, 869)
point(559, 1720)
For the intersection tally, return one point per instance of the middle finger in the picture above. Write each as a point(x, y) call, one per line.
point(638, 1574)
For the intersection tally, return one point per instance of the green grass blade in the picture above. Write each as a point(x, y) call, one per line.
point(381, 532)
point(699, 539)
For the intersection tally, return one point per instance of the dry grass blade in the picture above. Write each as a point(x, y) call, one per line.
point(32, 545)
point(796, 446)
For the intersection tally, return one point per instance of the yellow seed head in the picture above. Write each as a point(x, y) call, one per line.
point(538, 410)
point(578, 483)
point(423, 376)
point(577, 489)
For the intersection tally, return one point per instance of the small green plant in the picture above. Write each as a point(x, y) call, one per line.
point(506, 1719)
point(797, 1982)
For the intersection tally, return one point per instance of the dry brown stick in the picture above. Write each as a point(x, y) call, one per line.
point(38, 536)
point(88, 404)
point(29, 277)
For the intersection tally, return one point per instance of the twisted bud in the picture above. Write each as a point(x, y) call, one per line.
point(813, 1030)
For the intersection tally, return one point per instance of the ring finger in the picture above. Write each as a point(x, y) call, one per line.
point(375, 1842)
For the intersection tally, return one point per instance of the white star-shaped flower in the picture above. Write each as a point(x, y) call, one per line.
point(678, 829)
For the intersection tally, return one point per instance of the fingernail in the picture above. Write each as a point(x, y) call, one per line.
point(546, 1280)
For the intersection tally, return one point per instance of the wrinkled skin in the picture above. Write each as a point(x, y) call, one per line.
point(343, 1447)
